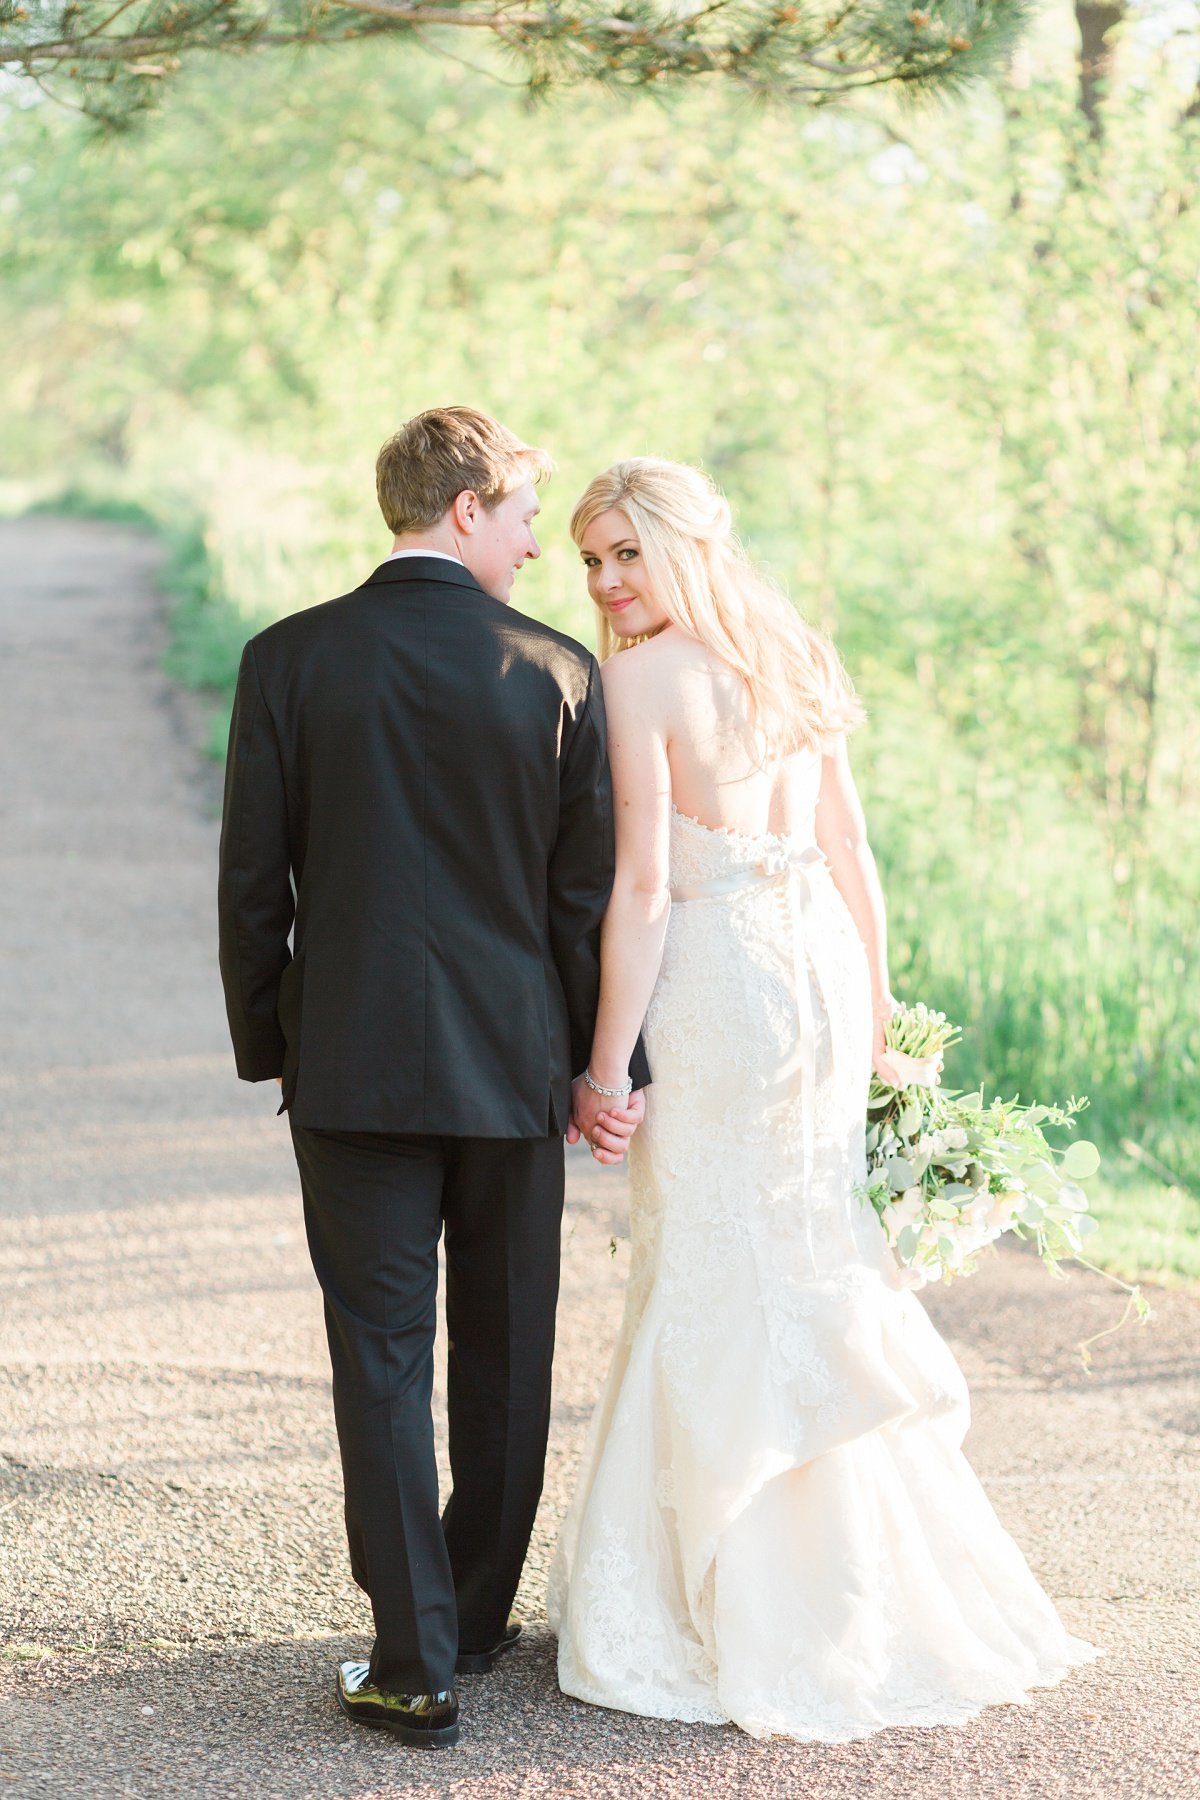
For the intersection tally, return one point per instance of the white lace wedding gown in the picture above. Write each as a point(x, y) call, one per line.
point(774, 1522)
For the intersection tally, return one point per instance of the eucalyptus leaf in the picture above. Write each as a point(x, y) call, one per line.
point(907, 1242)
point(910, 1120)
point(1080, 1160)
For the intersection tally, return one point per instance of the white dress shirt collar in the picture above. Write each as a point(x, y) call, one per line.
point(397, 554)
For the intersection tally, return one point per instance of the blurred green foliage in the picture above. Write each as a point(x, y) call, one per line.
point(944, 364)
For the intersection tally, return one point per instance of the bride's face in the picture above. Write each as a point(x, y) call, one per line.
point(617, 578)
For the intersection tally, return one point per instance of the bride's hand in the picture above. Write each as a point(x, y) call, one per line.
point(885, 1071)
point(606, 1129)
point(894, 1069)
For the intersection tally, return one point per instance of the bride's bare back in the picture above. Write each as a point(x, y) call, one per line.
point(681, 734)
point(719, 769)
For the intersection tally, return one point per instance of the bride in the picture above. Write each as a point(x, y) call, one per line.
point(774, 1523)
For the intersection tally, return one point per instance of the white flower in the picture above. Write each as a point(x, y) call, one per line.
point(967, 1240)
point(955, 1138)
point(1003, 1210)
point(904, 1211)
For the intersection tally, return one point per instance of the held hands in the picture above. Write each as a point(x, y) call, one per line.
point(605, 1126)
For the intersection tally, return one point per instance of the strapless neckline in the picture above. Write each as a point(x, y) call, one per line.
point(731, 832)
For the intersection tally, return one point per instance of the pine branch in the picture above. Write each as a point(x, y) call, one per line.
point(116, 55)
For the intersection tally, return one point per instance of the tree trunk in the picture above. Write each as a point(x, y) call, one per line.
point(1096, 19)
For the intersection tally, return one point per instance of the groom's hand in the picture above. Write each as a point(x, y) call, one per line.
point(605, 1129)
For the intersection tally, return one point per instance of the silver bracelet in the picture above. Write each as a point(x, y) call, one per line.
point(618, 1093)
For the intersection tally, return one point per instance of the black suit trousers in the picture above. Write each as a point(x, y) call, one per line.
point(375, 1206)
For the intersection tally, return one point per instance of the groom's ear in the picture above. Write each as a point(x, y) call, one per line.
point(465, 510)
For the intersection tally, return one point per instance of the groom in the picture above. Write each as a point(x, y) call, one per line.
point(417, 791)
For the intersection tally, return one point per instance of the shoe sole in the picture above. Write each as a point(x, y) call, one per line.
point(486, 1660)
point(440, 1738)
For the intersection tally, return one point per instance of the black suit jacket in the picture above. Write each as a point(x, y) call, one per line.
point(418, 784)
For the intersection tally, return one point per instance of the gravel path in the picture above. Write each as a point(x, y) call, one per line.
point(173, 1587)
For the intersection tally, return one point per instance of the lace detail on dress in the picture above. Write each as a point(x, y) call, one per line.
point(774, 1522)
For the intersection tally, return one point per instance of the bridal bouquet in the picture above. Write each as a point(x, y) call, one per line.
point(948, 1173)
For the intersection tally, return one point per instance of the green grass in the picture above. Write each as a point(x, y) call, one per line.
point(207, 632)
point(1149, 1229)
point(87, 503)
point(1059, 993)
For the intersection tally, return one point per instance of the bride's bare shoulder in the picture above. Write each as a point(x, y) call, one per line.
point(651, 667)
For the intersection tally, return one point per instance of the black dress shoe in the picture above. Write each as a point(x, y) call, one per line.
point(429, 1720)
point(478, 1662)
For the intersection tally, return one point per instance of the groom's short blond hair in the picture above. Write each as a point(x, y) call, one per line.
point(444, 452)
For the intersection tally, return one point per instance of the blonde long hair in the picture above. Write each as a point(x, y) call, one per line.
point(707, 585)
